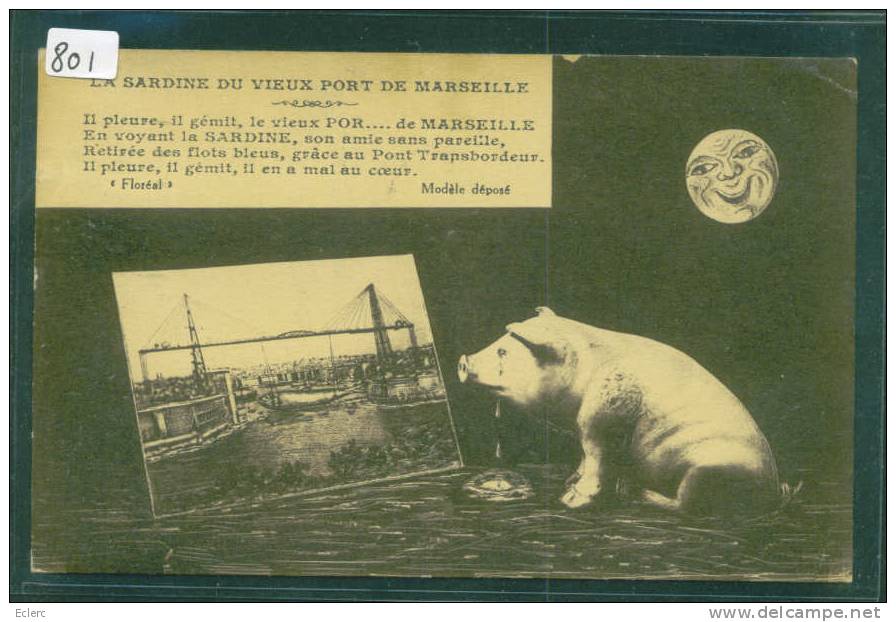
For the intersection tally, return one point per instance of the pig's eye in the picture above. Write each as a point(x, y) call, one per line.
point(502, 352)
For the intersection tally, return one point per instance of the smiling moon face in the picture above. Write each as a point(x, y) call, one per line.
point(732, 176)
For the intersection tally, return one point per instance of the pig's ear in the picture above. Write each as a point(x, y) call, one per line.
point(541, 341)
point(544, 311)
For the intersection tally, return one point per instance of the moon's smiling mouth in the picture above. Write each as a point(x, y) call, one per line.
point(738, 198)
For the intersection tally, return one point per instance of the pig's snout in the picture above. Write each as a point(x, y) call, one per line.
point(464, 371)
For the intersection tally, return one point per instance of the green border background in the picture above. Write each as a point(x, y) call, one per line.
point(858, 35)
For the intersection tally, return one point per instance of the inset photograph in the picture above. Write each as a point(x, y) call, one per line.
point(257, 381)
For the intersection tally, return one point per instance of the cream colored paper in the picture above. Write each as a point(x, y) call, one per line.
point(298, 129)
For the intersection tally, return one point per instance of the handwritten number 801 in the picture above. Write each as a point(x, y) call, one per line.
point(74, 59)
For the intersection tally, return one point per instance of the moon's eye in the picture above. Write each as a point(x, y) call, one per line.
point(746, 152)
point(502, 352)
point(703, 168)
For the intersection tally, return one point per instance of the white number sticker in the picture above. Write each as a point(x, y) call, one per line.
point(73, 53)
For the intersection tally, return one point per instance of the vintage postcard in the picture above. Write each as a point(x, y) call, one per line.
point(516, 316)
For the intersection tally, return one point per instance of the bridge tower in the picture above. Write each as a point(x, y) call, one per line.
point(412, 335)
point(199, 371)
point(144, 371)
point(380, 333)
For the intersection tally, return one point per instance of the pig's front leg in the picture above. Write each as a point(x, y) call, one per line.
point(576, 476)
point(599, 409)
point(584, 485)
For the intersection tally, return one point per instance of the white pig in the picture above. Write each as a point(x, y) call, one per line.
point(645, 412)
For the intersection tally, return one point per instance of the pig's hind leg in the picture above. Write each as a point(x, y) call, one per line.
point(660, 500)
point(719, 490)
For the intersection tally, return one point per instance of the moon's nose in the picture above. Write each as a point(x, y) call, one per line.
point(463, 368)
point(729, 170)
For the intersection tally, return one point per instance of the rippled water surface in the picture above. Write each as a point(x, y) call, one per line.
point(249, 458)
point(424, 526)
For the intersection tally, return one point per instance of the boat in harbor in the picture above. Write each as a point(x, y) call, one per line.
point(287, 400)
point(407, 391)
